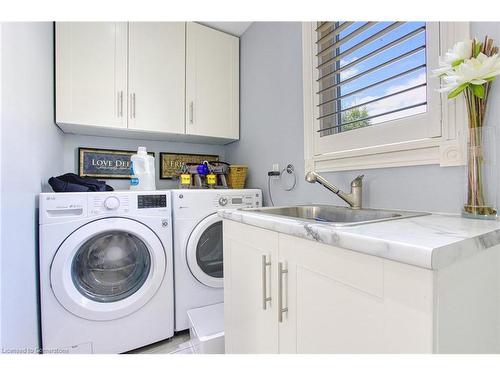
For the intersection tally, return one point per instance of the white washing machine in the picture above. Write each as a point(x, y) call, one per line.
point(106, 271)
point(198, 245)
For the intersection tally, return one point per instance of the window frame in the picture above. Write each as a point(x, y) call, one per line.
point(394, 143)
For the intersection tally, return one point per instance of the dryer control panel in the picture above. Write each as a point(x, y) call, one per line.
point(229, 200)
point(198, 203)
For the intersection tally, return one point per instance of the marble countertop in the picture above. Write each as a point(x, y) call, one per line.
point(432, 241)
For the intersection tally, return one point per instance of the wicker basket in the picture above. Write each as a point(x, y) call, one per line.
point(237, 176)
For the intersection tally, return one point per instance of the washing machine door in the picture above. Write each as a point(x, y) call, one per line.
point(108, 269)
point(204, 252)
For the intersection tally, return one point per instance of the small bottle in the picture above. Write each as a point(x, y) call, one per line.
point(142, 169)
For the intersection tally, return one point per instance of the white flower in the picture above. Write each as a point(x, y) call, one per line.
point(458, 53)
point(476, 71)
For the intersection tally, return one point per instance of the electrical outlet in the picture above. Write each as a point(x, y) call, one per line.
point(275, 171)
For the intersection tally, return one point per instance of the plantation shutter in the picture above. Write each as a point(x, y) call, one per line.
point(369, 73)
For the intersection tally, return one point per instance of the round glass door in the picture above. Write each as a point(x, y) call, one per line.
point(209, 250)
point(111, 266)
point(205, 252)
point(108, 269)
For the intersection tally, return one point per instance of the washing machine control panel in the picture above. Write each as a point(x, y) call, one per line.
point(149, 203)
point(112, 203)
point(152, 201)
point(116, 204)
point(56, 207)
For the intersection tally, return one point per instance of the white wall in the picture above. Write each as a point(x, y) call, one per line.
point(72, 142)
point(272, 130)
point(1, 126)
point(31, 151)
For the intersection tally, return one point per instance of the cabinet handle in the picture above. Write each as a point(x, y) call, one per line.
point(265, 298)
point(133, 104)
point(120, 104)
point(281, 309)
point(191, 112)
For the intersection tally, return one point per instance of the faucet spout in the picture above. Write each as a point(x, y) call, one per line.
point(353, 199)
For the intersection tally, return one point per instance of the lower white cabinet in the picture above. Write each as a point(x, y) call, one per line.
point(324, 299)
point(249, 317)
point(340, 301)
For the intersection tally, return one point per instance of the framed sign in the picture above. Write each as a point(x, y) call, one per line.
point(170, 163)
point(102, 163)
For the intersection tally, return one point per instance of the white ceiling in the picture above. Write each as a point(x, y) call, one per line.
point(234, 28)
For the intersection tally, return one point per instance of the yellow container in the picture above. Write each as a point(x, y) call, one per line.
point(185, 179)
point(237, 176)
point(211, 179)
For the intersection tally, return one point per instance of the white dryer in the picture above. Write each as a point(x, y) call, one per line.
point(106, 271)
point(198, 260)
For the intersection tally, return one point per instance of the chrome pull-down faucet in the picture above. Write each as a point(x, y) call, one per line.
point(353, 199)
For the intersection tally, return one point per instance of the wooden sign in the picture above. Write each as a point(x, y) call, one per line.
point(102, 163)
point(171, 163)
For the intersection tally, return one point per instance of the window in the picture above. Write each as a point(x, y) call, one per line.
point(369, 73)
point(371, 94)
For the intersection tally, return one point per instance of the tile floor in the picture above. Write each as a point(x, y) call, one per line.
point(179, 344)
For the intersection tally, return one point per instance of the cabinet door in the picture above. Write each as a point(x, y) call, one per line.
point(250, 256)
point(340, 301)
point(157, 76)
point(212, 83)
point(91, 73)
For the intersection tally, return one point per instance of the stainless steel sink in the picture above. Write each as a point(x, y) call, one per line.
point(335, 215)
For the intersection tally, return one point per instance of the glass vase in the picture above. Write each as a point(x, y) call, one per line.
point(481, 174)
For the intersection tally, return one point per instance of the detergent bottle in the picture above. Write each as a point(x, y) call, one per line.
point(142, 170)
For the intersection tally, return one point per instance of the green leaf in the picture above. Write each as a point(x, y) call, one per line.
point(490, 79)
point(477, 48)
point(457, 62)
point(478, 90)
point(458, 90)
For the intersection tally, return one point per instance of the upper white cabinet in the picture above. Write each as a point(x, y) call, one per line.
point(147, 80)
point(91, 71)
point(156, 76)
point(212, 82)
